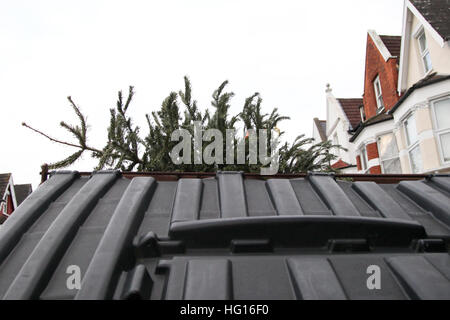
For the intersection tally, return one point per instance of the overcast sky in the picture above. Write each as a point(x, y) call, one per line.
point(286, 50)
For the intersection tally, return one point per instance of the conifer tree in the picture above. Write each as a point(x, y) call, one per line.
point(128, 150)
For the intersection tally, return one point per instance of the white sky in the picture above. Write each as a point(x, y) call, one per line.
point(286, 50)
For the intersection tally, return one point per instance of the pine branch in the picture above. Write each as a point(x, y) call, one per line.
point(59, 141)
point(66, 162)
point(80, 116)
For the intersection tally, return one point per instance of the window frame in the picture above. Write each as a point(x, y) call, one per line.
point(378, 138)
point(5, 206)
point(438, 132)
point(364, 159)
point(378, 96)
point(410, 147)
point(424, 52)
point(362, 113)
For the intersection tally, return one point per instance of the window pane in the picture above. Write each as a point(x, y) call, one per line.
point(427, 61)
point(380, 103)
point(416, 160)
point(445, 143)
point(363, 159)
point(411, 131)
point(377, 87)
point(392, 166)
point(422, 42)
point(442, 109)
point(387, 146)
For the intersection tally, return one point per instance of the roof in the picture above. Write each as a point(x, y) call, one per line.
point(381, 117)
point(308, 237)
point(437, 13)
point(428, 80)
point(392, 43)
point(4, 180)
point(340, 164)
point(22, 191)
point(351, 110)
point(321, 126)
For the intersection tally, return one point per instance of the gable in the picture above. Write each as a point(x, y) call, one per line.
point(411, 67)
point(382, 58)
point(388, 46)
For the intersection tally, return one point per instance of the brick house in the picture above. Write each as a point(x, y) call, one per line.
point(375, 147)
point(11, 195)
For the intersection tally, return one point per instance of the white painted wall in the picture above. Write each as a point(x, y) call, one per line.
point(419, 103)
point(337, 123)
point(412, 69)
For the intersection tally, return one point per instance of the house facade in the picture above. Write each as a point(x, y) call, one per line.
point(422, 115)
point(11, 195)
point(404, 124)
point(343, 116)
point(374, 141)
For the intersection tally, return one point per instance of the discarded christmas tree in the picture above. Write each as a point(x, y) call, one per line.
point(128, 150)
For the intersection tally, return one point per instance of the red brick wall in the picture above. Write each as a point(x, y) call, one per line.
point(388, 73)
point(375, 170)
point(372, 151)
point(10, 205)
point(358, 163)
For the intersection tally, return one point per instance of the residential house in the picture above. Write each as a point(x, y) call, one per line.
point(343, 116)
point(374, 141)
point(11, 195)
point(422, 115)
point(404, 121)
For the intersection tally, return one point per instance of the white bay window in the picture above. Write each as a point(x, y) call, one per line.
point(388, 151)
point(364, 160)
point(441, 109)
point(412, 141)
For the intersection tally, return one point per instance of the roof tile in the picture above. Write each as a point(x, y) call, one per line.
point(437, 13)
point(351, 110)
point(4, 179)
point(393, 44)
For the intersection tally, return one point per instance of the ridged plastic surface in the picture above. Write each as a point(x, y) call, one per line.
point(227, 238)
